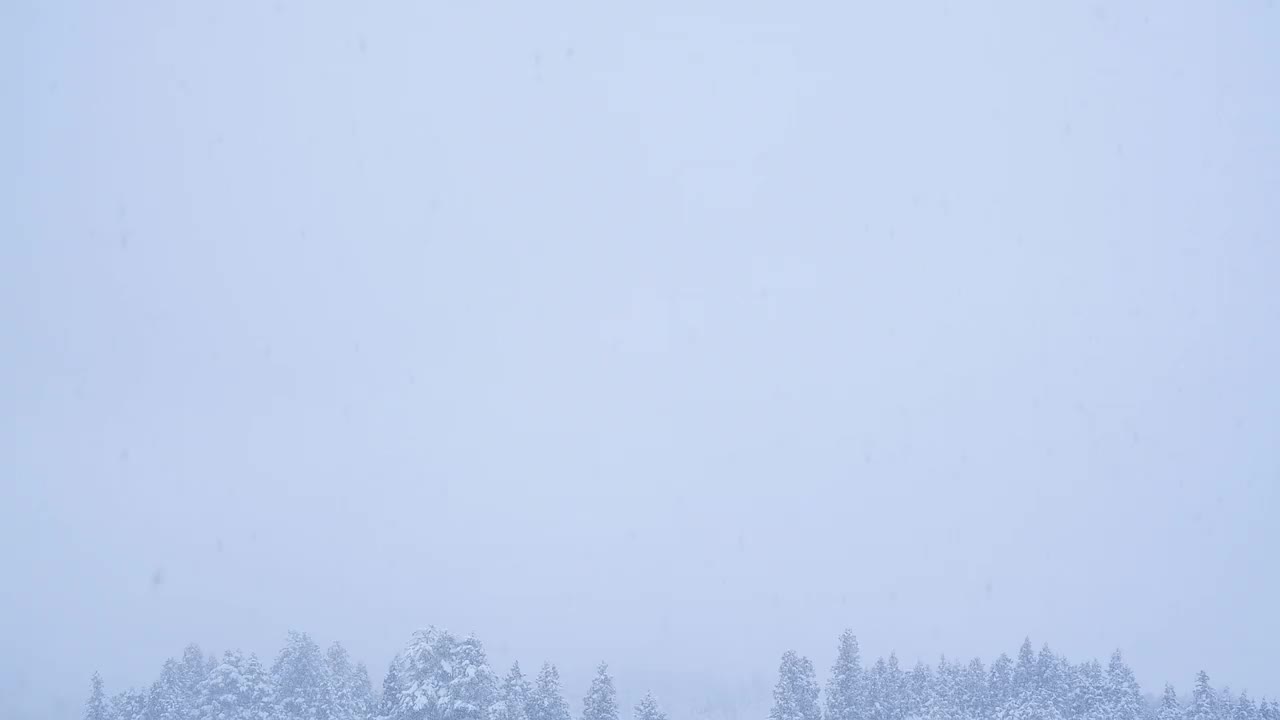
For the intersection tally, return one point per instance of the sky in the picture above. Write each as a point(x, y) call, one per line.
point(675, 335)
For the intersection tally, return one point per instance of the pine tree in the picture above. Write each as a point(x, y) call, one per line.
point(471, 687)
point(218, 696)
point(513, 697)
point(129, 705)
point(168, 698)
point(1088, 693)
point(301, 680)
point(1245, 709)
point(546, 702)
point(348, 685)
point(919, 691)
point(1203, 701)
point(1000, 683)
point(976, 700)
point(258, 698)
point(192, 669)
point(648, 709)
point(796, 695)
point(601, 703)
point(222, 695)
point(895, 689)
point(1169, 707)
point(1122, 694)
point(879, 688)
point(96, 707)
point(846, 693)
point(392, 691)
point(1033, 694)
point(424, 675)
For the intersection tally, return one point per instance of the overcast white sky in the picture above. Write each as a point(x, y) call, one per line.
point(675, 335)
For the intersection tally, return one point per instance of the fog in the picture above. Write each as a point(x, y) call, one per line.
point(675, 335)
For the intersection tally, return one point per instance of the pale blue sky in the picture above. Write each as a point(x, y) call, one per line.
point(676, 335)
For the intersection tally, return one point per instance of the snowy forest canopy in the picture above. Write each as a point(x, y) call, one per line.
point(439, 676)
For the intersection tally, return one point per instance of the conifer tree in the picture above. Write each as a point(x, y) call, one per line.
point(513, 697)
point(796, 695)
point(1123, 697)
point(648, 709)
point(1203, 701)
point(601, 703)
point(846, 693)
point(96, 707)
point(1169, 707)
point(128, 705)
point(168, 698)
point(471, 687)
point(547, 702)
point(301, 680)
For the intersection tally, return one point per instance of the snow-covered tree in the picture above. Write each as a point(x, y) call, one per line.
point(601, 703)
point(236, 689)
point(301, 680)
point(1123, 696)
point(192, 670)
point(220, 695)
point(513, 697)
point(423, 675)
point(919, 689)
point(1000, 683)
point(168, 698)
point(647, 709)
point(1245, 709)
point(975, 696)
point(1204, 701)
point(1088, 699)
point(348, 685)
point(472, 686)
point(129, 705)
point(389, 700)
point(97, 707)
point(796, 695)
point(1169, 707)
point(846, 691)
point(438, 677)
point(546, 702)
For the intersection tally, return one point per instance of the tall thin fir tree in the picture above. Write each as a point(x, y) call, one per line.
point(974, 692)
point(846, 689)
point(513, 697)
point(1204, 701)
point(796, 695)
point(601, 702)
point(1123, 696)
point(389, 700)
point(1170, 709)
point(647, 709)
point(1000, 683)
point(348, 685)
point(919, 690)
point(96, 707)
point(547, 702)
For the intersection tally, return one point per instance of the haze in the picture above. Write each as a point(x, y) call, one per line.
point(673, 335)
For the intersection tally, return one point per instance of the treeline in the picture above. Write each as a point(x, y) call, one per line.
point(1037, 686)
point(439, 676)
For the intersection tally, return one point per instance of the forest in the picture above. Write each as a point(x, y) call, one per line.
point(440, 676)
